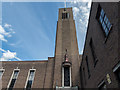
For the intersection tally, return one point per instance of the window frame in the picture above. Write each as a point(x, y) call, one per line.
point(98, 16)
point(101, 83)
point(92, 47)
point(2, 73)
point(84, 74)
point(65, 15)
point(117, 72)
point(28, 77)
point(63, 77)
point(88, 67)
point(116, 69)
point(12, 77)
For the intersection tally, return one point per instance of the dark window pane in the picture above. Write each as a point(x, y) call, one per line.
point(84, 76)
point(66, 76)
point(65, 15)
point(102, 87)
point(88, 67)
point(29, 84)
point(117, 73)
point(93, 51)
point(30, 79)
point(1, 73)
point(12, 83)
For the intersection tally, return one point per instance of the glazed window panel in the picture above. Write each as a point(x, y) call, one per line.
point(14, 78)
point(104, 21)
point(102, 13)
point(30, 79)
point(66, 76)
point(65, 15)
point(101, 19)
point(1, 73)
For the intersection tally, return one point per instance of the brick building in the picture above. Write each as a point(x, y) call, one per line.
point(100, 63)
point(60, 71)
point(100, 66)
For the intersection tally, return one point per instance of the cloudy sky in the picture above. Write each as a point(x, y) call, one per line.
point(28, 29)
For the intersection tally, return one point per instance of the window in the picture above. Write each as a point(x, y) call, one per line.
point(88, 67)
point(66, 76)
point(117, 73)
point(102, 86)
point(13, 79)
point(116, 70)
point(102, 18)
point(93, 52)
point(30, 79)
point(65, 15)
point(84, 75)
point(81, 77)
point(1, 73)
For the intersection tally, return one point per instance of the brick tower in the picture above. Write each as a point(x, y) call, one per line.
point(66, 71)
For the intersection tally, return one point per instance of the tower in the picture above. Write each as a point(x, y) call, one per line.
point(66, 70)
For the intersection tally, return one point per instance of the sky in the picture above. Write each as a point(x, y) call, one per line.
point(28, 29)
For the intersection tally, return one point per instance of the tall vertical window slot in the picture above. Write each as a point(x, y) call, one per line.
point(93, 52)
point(1, 73)
point(30, 79)
point(13, 79)
point(81, 77)
point(104, 21)
point(84, 76)
point(66, 76)
point(88, 69)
